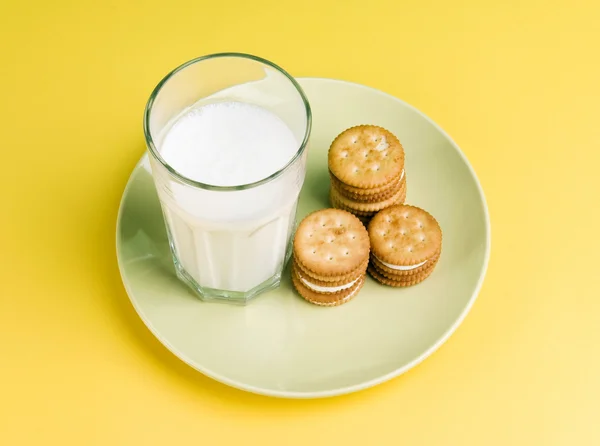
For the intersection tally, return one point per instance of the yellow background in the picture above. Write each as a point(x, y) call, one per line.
point(516, 84)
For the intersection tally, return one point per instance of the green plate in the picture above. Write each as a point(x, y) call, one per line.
point(279, 344)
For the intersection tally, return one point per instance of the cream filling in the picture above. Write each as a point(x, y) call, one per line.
point(327, 289)
point(344, 300)
point(400, 267)
point(349, 296)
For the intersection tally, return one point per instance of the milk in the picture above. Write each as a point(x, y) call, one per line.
point(229, 240)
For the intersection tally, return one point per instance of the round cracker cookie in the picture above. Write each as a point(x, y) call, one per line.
point(364, 217)
point(369, 207)
point(365, 197)
point(404, 235)
point(402, 198)
point(327, 300)
point(393, 274)
point(412, 280)
point(323, 286)
point(400, 274)
point(338, 205)
point(332, 279)
point(366, 156)
point(351, 190)
point(331, 242)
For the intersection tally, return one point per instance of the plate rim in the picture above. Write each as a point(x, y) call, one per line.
point(346, 389)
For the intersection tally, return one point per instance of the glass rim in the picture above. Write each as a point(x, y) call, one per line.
point(156, 154)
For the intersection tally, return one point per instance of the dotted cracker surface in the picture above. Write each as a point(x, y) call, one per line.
point(404, 235)
point(366, 156)
point(331, 242)
point(327, 300)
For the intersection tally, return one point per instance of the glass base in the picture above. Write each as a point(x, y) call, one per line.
point(232, 297)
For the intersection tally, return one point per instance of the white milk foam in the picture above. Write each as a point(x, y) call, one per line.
point(228, 144)
point(232, 240)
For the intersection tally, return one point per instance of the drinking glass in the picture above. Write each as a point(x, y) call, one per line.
point(228, 243)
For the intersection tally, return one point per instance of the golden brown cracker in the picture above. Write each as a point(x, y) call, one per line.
point(332, 279)
point(412, 280)
point(369, 190)
point(368, 207)
point(365, 217)
point(335, 202)
point(394, 274)
point(366, 156)
point(366, 195)
point(404, 235)
point(328, 300)
point(331, 242)
point(305, 276)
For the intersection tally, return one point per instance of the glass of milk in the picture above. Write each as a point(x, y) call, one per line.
point(227, 136)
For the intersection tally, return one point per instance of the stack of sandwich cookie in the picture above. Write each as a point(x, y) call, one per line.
point(366, 167)
point(406, 243)
point(331, 254)
point(365, 210)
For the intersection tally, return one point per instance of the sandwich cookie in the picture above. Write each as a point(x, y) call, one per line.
point(366, 168)
point(406, 244)
point(330, 257)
